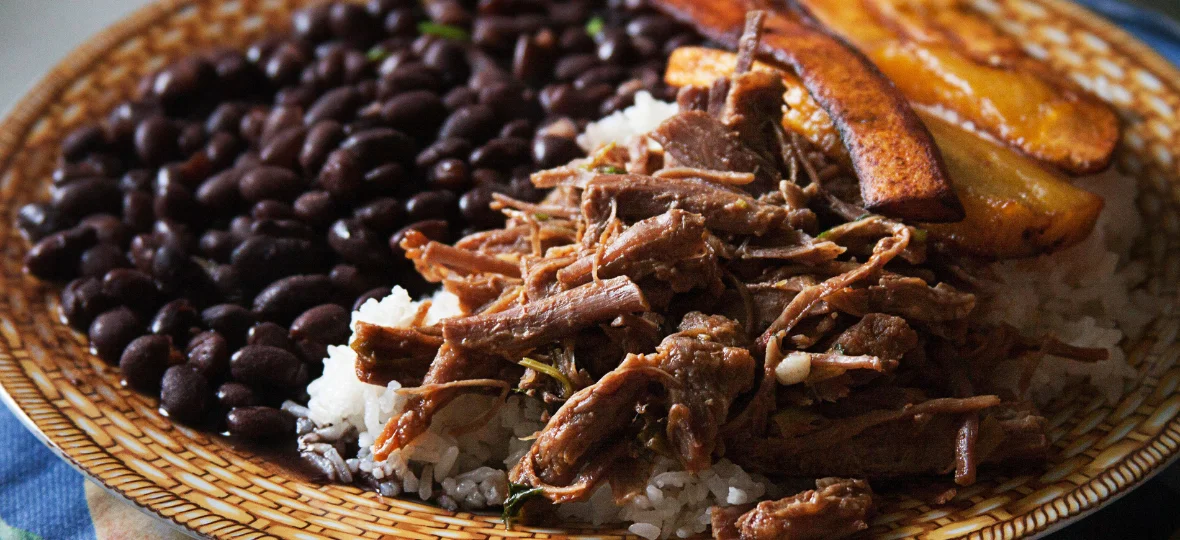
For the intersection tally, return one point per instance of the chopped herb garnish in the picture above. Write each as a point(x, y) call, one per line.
point(919, 234)
point(377, 54)
point(567, 386)
point(594, 26)
point(609, 169)
point(444, 31)
point(838, 348)
point(542, 216)
point(518, 494)
point(742, 204)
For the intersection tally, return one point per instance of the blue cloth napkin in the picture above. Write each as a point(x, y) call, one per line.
point(42, 497)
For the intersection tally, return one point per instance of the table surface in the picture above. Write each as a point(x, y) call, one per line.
point(35, 34)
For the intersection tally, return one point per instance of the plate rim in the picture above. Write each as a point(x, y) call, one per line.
point(17, 122)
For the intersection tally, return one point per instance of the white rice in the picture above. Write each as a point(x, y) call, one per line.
point(1081, 295)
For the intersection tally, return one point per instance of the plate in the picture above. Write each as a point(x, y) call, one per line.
point(74, 402)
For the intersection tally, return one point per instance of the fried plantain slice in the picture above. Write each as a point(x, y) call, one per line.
point(943, 54)
point(1015, 207)
point(901, 173)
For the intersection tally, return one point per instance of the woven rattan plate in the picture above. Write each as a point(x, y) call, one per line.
point(76, 405)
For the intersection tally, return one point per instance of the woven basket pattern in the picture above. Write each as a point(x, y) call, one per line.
point(199, 483)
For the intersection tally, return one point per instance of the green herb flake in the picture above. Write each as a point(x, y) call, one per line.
point(594, 26)
point(377, 54)
point(839, 349)
point(518, 494)
point(444, 31)
point(567, 386)
point(741, 204)
point(542, 216)
point(920, 234)
point(610, 169)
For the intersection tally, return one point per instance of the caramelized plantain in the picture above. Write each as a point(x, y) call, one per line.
point(1014, 206)
point(942, 54)
point(900, 172)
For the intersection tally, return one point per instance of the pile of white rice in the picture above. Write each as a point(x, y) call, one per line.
point(1081, 295)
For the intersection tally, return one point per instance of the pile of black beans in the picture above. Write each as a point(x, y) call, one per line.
point(215, 232)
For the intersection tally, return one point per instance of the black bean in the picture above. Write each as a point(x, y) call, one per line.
point(327, 323)
point(563, 100)
point(357, 244)
point(351, 282)
point(252, 124)
point(342, 174)
point(100, 259)
point(311, 23)
point(269, 182)
point(472, 122)
point(208, 352)
point(286, 298)
point(233, 394)
point(419, 112)
point(225, 282)
point(452, 174)
point(298, 96)
point(270, 210)
point(179, 85)
point(475, 205)
point(176, 203)
point(87, 196)
point(220, 192)
point(383, 215)
point(352, 23)
point(322, 138)
point(283, 149)
point(494, 31)
point(174, 234)
point(609, 73)
point(138, 213)
point(285, 63)
point(281, 228)
point(501, 153)
point(122, 121)
point(222, 150)
point(217, 245)
point(443, 148)
point(82, 300)
point(509, 101)
point(312, 353)
point(315, 208)
point(230, 320)
point(271, 335)
point(144, 360)
point(174, 270)
point(38, 220)
point(156, 140)
point(95, 165)
point(226, 117)
point(192, 138)
point(431, 205)
point(433, 229)
point(449, 59)
point(570, 67)
point(108, 228)
point(259, 422)
point(281, 117)
point(56, 256)
point(338, 105)
point(449, 12)
point(82, 142)
point(262, 259)
point(553, 151)
point(178, 320)
point(384, 180)
point(407, 77)
point(376, 293)
point(184, 393)
point(521, 127)
point(112, 331)
point(460, 96)
point(137, 180)
point(266, 366)
point(378, 146)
